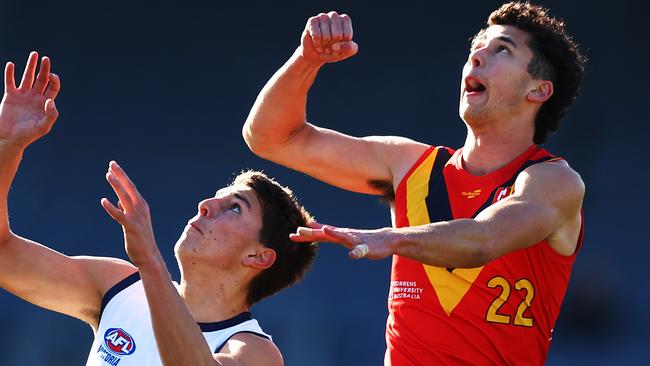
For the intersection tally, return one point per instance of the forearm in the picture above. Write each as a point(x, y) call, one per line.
point(178, 337)
point(463, 243)
point(280, 108)
point(10, 156)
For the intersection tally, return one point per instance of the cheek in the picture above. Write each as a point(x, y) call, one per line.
point(228, 236)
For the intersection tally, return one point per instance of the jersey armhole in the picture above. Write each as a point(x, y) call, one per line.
point(116, 289)
point(218, 349)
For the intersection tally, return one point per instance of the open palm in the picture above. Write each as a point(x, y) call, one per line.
point(28, 112)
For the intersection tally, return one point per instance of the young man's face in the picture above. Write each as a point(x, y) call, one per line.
point(225, 229)
point(495, 78)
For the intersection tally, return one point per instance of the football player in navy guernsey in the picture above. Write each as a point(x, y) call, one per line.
point(234, 252)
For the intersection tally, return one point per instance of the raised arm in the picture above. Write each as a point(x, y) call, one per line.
point(179, 338)
point(277, 127)
point(44, 277)
point(546, 205)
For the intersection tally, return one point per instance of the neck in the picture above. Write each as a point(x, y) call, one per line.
point(213, 298)
point(487, 151)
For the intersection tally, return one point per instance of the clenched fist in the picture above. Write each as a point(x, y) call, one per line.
point(328, 38)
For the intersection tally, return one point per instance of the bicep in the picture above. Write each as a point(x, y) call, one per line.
point(546, 198)
point(69, 285)
point(345, 161)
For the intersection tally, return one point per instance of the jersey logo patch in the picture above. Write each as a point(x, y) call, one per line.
point(473, 194)
point(119, 342)
point(503, 192)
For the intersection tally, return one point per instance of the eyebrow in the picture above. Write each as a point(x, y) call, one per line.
point(241, 197)
point(507, 39)
point(481, 36)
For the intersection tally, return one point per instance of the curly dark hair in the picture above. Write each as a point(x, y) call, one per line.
point(556, 57)
point(281, 216)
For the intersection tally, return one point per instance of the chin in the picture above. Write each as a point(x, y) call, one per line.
point(182, 245)
point(473, 115)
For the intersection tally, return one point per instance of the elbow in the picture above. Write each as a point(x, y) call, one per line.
point(252, 140)
point(481, 252)
point(247, 134)
point(478, 257)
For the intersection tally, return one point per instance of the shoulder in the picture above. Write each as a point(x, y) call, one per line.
point(554, 181)
point(251, 349)
point(553, 175)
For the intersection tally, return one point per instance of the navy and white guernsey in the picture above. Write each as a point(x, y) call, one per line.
point(125, 336)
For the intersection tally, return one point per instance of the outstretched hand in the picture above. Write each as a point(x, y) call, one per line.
point(132, 212)
point(328, 38)
point(371, 244)
point(28, 112)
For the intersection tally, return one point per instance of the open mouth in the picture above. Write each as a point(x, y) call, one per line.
point(473, 86)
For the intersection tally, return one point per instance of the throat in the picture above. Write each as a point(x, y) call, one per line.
point(484, 157)
point(212, 302)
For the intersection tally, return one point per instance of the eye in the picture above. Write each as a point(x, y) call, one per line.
point(235, 208)
point(502, 48)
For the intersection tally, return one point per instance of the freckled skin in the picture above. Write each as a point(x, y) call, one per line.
point(225, 232)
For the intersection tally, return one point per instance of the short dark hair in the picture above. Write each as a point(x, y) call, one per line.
point(556, 57)
point(282, 214)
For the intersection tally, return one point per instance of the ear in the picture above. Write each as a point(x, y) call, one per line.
point(542, 92)
point(263, 258)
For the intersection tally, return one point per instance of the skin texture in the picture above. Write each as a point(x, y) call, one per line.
point(500, 126)
point(39, 274)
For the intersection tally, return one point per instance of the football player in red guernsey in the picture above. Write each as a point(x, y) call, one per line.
point(484, 236)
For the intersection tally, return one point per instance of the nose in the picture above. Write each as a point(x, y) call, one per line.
point(208, 207)
point(476, 57)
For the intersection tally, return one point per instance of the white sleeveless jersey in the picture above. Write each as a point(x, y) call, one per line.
point(125, 336)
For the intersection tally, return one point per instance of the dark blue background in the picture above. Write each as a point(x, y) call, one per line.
point(164, 88)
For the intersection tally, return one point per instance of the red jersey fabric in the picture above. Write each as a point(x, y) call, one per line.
point(500, 314)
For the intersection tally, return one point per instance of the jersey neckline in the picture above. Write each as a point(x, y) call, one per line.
point(205, 327)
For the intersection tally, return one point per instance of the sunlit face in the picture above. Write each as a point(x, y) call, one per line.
point(225, 228)
point(495, 78)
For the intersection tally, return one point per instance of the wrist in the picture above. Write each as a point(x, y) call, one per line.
point(305, 63)
point(153, 263)
point(398, 238)
point(13, 147)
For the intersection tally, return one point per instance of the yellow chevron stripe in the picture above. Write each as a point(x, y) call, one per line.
point(417, 190)
point(450, 288)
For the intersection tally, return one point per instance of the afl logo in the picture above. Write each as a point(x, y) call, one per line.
point(119, 342)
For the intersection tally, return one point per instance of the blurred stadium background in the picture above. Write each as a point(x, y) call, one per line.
point(164, 87)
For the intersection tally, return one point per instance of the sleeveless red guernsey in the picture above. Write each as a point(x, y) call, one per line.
point(500, 314)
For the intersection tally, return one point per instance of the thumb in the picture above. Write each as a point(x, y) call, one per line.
point(50, 114)
point(345, 49)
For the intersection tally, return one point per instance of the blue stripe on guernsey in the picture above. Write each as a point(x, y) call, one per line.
point(238, 319)
point(117, 288)
point(218, 349)
point(437, 200)
point(511, 181)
